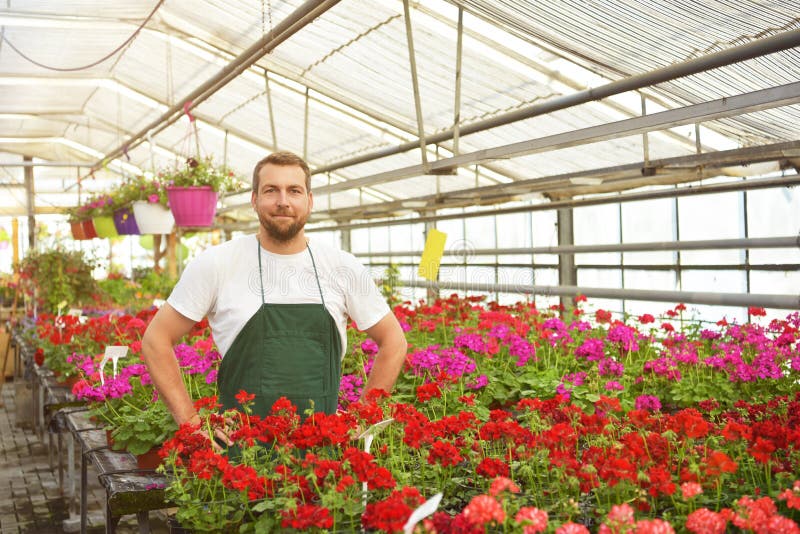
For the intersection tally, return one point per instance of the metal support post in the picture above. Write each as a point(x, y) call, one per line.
point(344, 237)
point(567, 272)
point(457, 90)
point(30, 203)
point(415, 83)
point(305, 128)
point(271, 114)
point(645, 142)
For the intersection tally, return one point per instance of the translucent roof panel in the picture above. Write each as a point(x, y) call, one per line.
point(341, 90)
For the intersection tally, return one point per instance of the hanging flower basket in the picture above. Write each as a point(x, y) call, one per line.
point(104, 226)
point(153, 218)
point(77, 230)
point(193, 206)
point(88, 229)
point(125, 222)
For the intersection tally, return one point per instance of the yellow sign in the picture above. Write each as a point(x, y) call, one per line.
point(432, 255)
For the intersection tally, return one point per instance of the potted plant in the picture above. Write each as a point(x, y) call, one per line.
point(148, 198)
point(101, 209)
point(59, 276)
point(125, 221)
point(77, 218)
point(193, 191)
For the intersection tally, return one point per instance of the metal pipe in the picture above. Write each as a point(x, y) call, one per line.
point(412, 62)
point(567, 270)
point(705, 244)
point(30, 204)
point(299, 18)
point(790, 302)
point(457, 89)
point(271, 114)
point(44, 164)
point(305, 127)
point(760, 47)
point(720, 158)
point(761, 183)
point(782, 95)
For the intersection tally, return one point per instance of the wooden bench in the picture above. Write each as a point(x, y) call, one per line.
point(129, 490)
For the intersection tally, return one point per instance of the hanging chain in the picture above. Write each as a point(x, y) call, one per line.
point(266, 13)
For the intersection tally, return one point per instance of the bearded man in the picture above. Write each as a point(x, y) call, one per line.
point(278, 304)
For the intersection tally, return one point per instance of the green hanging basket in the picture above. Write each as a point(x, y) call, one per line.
point(104, 226)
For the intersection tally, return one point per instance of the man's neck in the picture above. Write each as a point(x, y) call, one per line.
point(297, 244)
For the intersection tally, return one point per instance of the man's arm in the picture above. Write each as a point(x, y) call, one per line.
point(165, 330)
point(391, 354)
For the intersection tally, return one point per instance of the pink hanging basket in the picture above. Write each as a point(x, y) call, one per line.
point(192, 206)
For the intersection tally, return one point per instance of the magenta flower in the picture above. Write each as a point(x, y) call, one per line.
point(648, 402)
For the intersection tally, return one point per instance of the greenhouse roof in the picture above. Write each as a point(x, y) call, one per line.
point(549, 96)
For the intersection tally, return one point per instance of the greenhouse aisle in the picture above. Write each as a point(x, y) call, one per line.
point(30, 498)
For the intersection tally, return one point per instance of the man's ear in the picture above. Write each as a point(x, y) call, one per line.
point(310, 201)
point(253, 199)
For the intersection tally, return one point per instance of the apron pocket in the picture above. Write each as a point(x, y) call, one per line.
point(297, 365)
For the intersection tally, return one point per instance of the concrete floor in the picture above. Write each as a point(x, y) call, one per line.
point(31, 500)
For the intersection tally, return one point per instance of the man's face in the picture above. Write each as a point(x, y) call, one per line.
point(282, 201)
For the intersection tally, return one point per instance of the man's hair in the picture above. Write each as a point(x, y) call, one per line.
point(282, 159)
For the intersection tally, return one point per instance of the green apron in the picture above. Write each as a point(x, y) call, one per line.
point(284, 350)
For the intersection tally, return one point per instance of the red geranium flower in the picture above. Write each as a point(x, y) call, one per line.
point(483, 510)
point(307, 516)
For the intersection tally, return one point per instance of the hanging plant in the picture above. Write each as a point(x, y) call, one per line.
point(60, 276)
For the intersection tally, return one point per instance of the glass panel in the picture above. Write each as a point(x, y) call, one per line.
point(480, 232)
point(453, 228)
point(596, 225)
point(645, 222)
point(513, 230)
point(379, 239)
point(608, 278)
point(545, 277)
point(359, 240)
point(639, 279)
point(713, 281)
point(698, 221)
point(515, 276)
point(774, 213)
point(544, 228)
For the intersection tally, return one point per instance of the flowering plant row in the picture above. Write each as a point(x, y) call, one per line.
point(525, 420)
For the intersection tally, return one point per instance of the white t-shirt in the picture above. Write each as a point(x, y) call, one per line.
point(222, 283)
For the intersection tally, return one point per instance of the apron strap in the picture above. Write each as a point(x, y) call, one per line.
point(314, 265)
point(260, 276)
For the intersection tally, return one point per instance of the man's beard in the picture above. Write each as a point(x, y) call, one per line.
point(280, 233)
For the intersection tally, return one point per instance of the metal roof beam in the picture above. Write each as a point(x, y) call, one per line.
point(301, 17)
point(556, 75)
point(725, 107)
point(704, 244)
point(735, 54)
point(791, 302)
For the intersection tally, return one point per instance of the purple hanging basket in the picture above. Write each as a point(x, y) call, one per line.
point(192, 206)
point(125, 222)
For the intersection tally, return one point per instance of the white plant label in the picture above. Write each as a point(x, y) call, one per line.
point(423, 511)
point(113, 353)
